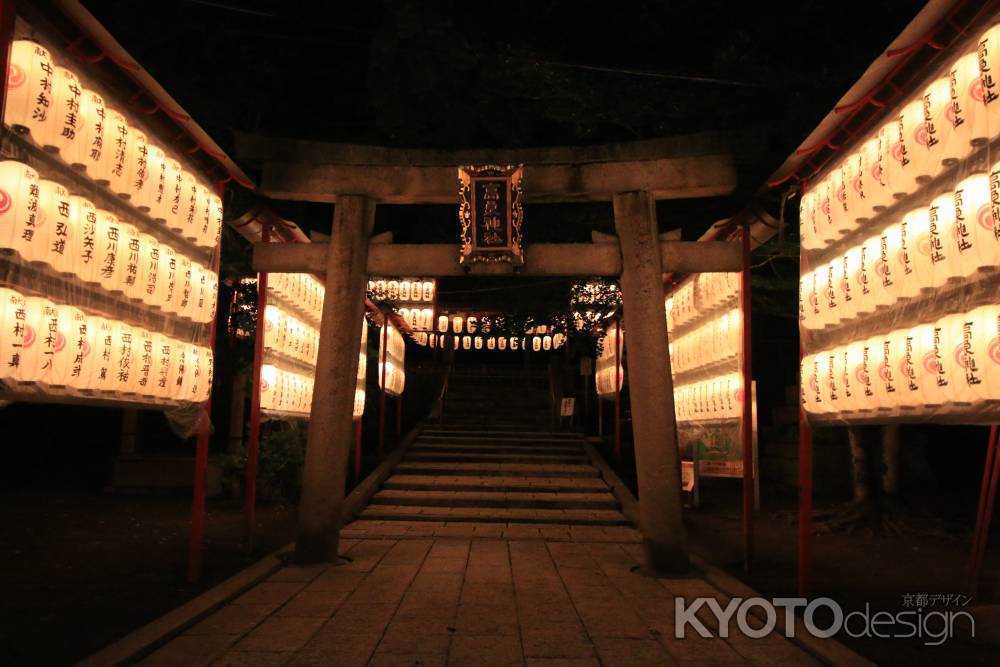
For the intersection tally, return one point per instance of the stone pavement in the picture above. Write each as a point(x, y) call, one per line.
point(466, 601)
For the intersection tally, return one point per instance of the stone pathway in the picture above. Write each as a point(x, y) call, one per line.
point(455, 601)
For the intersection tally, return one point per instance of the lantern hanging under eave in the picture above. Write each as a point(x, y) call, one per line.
point(30, 87)
point(490, 213)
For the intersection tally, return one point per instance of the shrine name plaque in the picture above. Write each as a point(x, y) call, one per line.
point(490, 213)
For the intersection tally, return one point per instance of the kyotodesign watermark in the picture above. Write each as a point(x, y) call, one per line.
point(825, 618)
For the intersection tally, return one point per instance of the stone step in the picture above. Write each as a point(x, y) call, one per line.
point(476, 448)
point(498, 483)
point(505, 440)
point(498, 469)
point(585, 517)
point(519, 499)
point(465, 432)
point(525, 456)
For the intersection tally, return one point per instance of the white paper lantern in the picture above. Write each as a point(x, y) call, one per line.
point(131, 262)
point(268, 384)
point(60, 221)
point(558, 340)
point(95, 153)
point(927, 367)
point(942, 146)
point(101, 369)
point(502, 343)
point(120, 143)
point(974, 231)
point(861, 365)
point(149, 268)
point(968, 108)
point(30, 88)
point(35, 240)
point(812, 395)
point(83, 258)
point(124, 358)
point(988, 51)
point(456, 324)
point(491, 343)
point(189, 206)
point(961, 338)
point(64, 133)
point(909, 386)
point(31, 359)
point(901, 258)
point(184, 290)
point(144, 364)
point(150, 196)
point(204, 217)
point(166, 285)
point(941, 251)
point(110, 250)
point(873, 155)
point(843, 209)
point(140, 183)
point(887, 283)
point(19, 202)
point(172, 207)
point(164, 361)
point(13, 322)
point(428, 290)
point(886, 380)
point(907, 168)
point(988, 352)
point(79, 341)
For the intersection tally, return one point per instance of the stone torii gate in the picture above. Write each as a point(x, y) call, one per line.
point(632, 176)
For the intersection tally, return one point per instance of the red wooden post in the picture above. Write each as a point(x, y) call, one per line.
point(357, 451)
point(618, 394)
point(747, 426)
point(197, 537)
point(399, 416)
point(805, 503)
point(253, 441)
point(984, 515)
point(381, 405)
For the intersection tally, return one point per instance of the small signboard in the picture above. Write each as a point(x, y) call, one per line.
point(567, 407)
point(687, 476)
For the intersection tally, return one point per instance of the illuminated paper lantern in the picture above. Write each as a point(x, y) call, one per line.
point(502, 343)
point(63, 132)
point(101, 371)
point(81, 248)
point(30, 88)
point(137, 168)
point(13, 322)
point(968, 107)
point(901, 250)
point(428, 290)
point(184, 289)
point(203, 217)
point(840, 361)
point(166, 284)
point(830, 302)
point(207, 367)
point(443, 323)
point(825, 225)
point(857, 293)
point(19, 203)
point(110, 251)
point(942, 146)
point(491, 343)
point(812, 395)
point(164, 360)
point(173, 206)
point(547, 343)
point(393, 290)
point(935, 246)
point(149, 268)
point(974, 231)
point(961, 340)
point(193, 371)
point(404, 290)
point(927, 368)
point(988, 50)
point(987, 320)
point(842, 206)
point(858, 208)
point(860, 365)
point(873, 183)
point(267, 385)
point(887, 287)
point(466, 342)
point(886, 379)
point(32, 359)
point(124, 362)
point(906, 167)
point(909, 377)
point(217, 213)
point(143, 371)
point(188, 210)
point(32, 240)
point(456, 324)
point(149, 195)
point(95, 153)
point(471, 324)
point(57, 201)
point(558, 340)
point(120, 143)
point(536, 343)
point(79, 340)
point(131, 261)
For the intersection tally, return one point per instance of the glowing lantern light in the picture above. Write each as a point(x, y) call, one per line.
point(974, 229)
point(471, 324)
point(102, 374)
point(404, 290)
point(163, 362)
point(558, 340)
point(80, 341)
point(812, 397)
point(119, 144)
point(13, 312)
point(149, 268)
point(123, 358)
point(189, 206)
point(968, 113)
point(490, 343)
point(94, 153)
point(941, 147)
point(502, 343)
point(166, 288)
point(137, 168)
point(905, 166)
point(130, 243)
point(960, 341)
point(456, 324)
point(184, 285)
point(900, 256)
point(826, 195)
point(150, 195)
point(64, 128)
point(82, 246)
point(908, 387)
point(479, 342)
point(536, 343)
point(988, 350)
point(547, 343)
point(19, 203)
point(873, 183)
point(394, 290)
point(268, 385)
point(842, 211)
point(988, 51)
point(886, 382)
point(109, 250)
point(145, 379)
point(926, 367)
point(443, 323)
point(29, 79)
point(466, 342)
point(433, 339)
point(173, 197)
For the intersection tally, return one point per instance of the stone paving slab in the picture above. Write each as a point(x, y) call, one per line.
point(448, 498)
point(507, 484)
point(499, 469)
point(464, 601)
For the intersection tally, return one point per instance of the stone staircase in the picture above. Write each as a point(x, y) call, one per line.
point(494, 460)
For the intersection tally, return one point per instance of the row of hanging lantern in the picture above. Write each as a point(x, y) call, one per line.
point(714, 399)
point(49, 104)
point(46, 226)
point(956, 238)
point(359, 385)
point(418, 319)
point(717, 340)
point(285, 392)
point(483, 342)
point(404, 290)
point(289, 336)
point(52, 347)
point(609, 363)
point(301, 291)
point(392, 361)
point(700, 295)
point(939, 126)
point(951, 365)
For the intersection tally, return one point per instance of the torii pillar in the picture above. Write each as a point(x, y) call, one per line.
point(654, 425)
point(331, 431)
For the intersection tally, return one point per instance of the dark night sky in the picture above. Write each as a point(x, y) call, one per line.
point(414, 73)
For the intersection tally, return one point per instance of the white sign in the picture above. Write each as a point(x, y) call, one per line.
point(567, 407)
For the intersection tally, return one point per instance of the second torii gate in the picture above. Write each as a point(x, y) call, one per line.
point(632, 176)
